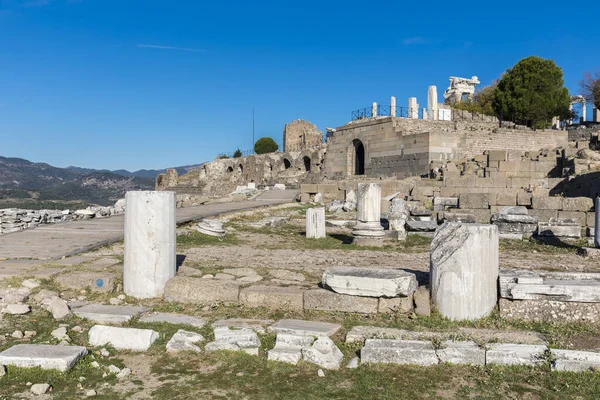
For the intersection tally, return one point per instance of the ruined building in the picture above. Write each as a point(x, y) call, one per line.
point(301, 135)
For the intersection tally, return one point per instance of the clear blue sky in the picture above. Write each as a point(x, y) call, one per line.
point(151, 84)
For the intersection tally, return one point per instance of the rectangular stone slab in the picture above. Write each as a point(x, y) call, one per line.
point(176, 319)
point(257, 325)
point(509, 278)
point(370, 282)
point(573, 360)
point(45, 356)
point(122, 338)
point(388, 351)
point(463, 352)
point(515, 354)
point(304, 328)
point(576, 291)
point(105, 314)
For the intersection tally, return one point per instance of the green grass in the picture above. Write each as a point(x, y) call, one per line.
point(197, 239)
point(549, 247)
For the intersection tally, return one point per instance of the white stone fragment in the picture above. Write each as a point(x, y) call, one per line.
point(106, 314)
point(324, 353)
point(288, 348)
point(574, 360)
point(60, 334)
point(353, 364)
point(370, 282)
point(91, 393)
point(39, 388)
point(175, 319)
point(150, 238)
point(122, 338)
point(304, 328)
point(16, 309)
point(30, 283)
point(184, 341)
point(315, 223)
point(390, 351)
point(44, 356)
point(211, 227)
point(59, 308)
point(515, 354)
point(468, 352)
point(17, 334)
point(113, 369)
point(257, 325)
point(464, 270)
point(234, 339)
point(125, 372)
point(320, 373)
point(14, 295)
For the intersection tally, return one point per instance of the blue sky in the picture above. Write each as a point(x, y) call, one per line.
point(151, 84)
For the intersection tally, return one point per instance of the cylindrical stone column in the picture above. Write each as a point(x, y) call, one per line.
point(315, 223)
point(150, 239)
point(368, 230)
point(464, 270)
point(392, 106)
point(597, 223)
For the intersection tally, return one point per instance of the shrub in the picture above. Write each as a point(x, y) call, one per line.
point(265, 145)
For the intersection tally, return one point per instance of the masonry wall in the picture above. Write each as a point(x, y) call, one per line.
point(477, 142)
point(301, 135)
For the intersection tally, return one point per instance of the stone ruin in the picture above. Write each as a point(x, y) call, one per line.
point(460, 89)
point(301, 135)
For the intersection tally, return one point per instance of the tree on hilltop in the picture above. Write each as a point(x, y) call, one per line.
point(590, 88)
point(265, 145)
point(237, 153)
point(532, 93)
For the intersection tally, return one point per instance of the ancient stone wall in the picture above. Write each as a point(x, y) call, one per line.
point(222, 176)
point(301, 135)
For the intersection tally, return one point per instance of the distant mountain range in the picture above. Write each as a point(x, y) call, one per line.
point(26, 184)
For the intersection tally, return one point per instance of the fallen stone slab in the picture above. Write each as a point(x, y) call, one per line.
point(584, 291)
point(421, 226)
point(45, 356)
point(574, 360)
point(304, 328)
point(335, 223)
point(106, 314)
point(99, 281)
point(462, 352)
point(15, 309)
point(288, 348)
point(122, 338)
point(235, 340)
point(323, 353)
point(175, 319)
point(515, 354)
point(559, 229)
point(370, 282)
point(358, 334)
point(184, 341)
point(444, 203)
point(387, 351)
point(286, 298)
point(257, 325)
point(549, 311)
point(325, 300)
point(459, 217)
point(201, 291)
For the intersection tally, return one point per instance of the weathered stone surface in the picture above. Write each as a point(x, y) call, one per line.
point(304, 328)
point(589, 252)
point(224, 277)
point(175, 319)
point(325, 300)
point(549, 311)
point(444, 203)
point(464, 270)
point(515, 227)
point(461, 353)
point(122, 338)
point(93, 280)
point(577, 204)
point(421, 226)
point(45, 356)
point(574, 360)
point(402, 305)
point(515, 354)
point(257, 325)
point(288, 348)
point(546, 203)
point(39, 388)
point(13, 295)
point(368, 230)
point(59, 308)
point(556, 228)
point(459, 217)
point(211, 227)
point(184, 341)
point(371, 282)
point(315, 223)
point(198, 290)
point(286, 298)
point(474, 200)
point(514, 210)
point(389, 351)
point(422, 301)
point(234, 339)
point(287, 275)
point(108, 314)
point(271, 222)
point(324, 353)
point(15, 309)
point(240, 272)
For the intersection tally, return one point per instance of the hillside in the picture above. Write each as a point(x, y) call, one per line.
point(142, 173)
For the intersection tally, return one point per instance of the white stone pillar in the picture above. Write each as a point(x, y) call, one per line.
point(597, 223)
point(413, 108)
point(315, 223)
point(368, 230)
point(397, 218)
point(583, 111)
point(150, 239)
point(595, 115)
point(570, 121)
point(425, 116)
point(464, 270)
point(392, 106)
point(432, 102)
point(374, 110)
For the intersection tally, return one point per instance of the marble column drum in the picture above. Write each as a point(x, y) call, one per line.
point(368, 230)
point(150, 240)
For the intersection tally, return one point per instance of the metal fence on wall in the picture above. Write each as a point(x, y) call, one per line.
point(245, 153)
point(417, 113)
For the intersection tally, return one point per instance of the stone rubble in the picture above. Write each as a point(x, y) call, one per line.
point(39, 388)
point(234, 339)
point(323, 353)
point(304, 328)
point(184, 341)
point(15, 309)
point(288, 348)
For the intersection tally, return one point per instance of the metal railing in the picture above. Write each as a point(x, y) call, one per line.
point(418, 113)
point(245, 153)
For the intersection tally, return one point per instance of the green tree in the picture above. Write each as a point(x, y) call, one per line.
point(265, 145)
point(237, 153)
point(590, 87)
point(481, 102)
point(531, 93)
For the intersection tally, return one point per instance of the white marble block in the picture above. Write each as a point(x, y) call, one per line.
point(122, 338)
point(464, 270)
point(150, 238)
point(315, 223)
point(368, 230)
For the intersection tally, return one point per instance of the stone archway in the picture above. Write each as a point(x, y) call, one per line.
point(307, 161)
point(356, 158)
point(286, 164)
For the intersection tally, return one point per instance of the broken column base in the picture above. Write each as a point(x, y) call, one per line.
point(368, 234)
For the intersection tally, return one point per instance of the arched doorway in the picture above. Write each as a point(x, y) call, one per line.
point(229, 169)
point(286, 163)
point(240, 168)
point(307, 164)
point(358, 157)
